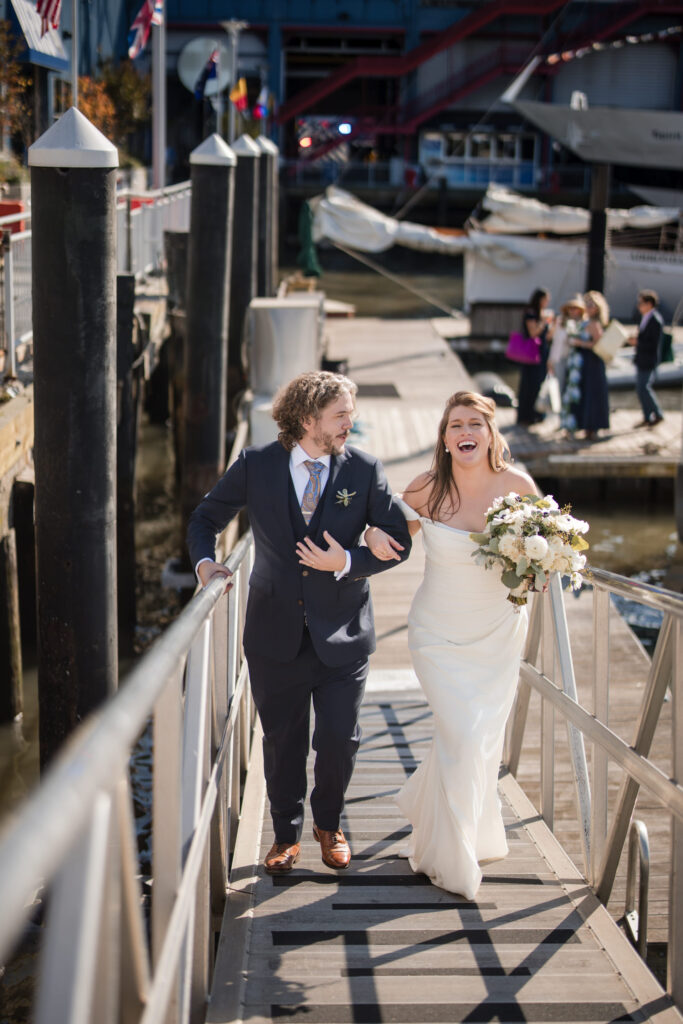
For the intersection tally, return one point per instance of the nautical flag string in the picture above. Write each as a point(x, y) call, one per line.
point(49, 11)
point(151, 13)
point(614, 44)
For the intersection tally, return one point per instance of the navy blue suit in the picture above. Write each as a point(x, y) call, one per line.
point(307, 635)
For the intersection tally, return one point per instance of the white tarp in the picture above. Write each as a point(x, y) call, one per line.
point(504, 268)
point(512, 213)
point(341, 217)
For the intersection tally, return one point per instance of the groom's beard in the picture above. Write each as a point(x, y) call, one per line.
point(330, 444)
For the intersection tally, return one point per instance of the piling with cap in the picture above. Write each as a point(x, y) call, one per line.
point(268, 219)
point(209, 293)
point(245, 244)
point(73, 193)
point(127, 423)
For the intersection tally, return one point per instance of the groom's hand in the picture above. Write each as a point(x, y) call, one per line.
point(207, 569)
point(332, 560)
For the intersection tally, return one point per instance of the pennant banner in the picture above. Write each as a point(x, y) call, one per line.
point(614, 44)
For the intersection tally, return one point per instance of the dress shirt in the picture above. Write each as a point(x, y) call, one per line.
point(300, 477)
point(644, 319)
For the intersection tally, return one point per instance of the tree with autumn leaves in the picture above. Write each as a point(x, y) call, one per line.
point(117, 101)
point(16, 121)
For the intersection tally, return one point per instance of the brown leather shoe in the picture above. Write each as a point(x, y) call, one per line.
point(281, 858)
point(333, 847)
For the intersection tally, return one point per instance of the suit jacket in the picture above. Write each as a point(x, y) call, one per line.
point(282, 593)
point(647, 347)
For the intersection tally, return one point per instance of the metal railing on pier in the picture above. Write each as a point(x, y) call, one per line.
point(73, 844)
point(547, 668)
point(141, 219)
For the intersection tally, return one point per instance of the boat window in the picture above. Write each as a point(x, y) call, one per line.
point(480, 146)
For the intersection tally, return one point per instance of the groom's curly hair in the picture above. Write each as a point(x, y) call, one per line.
point(305, 397)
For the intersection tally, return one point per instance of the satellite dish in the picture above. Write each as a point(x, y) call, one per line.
point(193, 58)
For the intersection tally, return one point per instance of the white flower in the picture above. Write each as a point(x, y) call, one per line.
point(535, 547)
point(511, 499)
point(510, 546)
point(521, 589)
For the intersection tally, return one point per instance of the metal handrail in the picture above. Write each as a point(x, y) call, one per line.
point(75, 835)
point(547, 668)
point(140, 250)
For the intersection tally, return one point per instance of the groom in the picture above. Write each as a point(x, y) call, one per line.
point(309, 625)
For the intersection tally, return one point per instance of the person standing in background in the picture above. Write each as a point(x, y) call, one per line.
point(586, 399)
point(571, 314)
point(647, 343)
point(536, 324)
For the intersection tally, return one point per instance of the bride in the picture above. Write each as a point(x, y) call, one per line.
point(466, 641)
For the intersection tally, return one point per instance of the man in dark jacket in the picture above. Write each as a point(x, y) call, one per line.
point(647, 342)
point(309, 625)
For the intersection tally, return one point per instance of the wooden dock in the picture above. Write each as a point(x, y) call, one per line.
point(378, 943)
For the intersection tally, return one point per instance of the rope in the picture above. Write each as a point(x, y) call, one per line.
point(455, 313)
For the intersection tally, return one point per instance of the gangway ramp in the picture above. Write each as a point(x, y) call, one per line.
point(380, 943)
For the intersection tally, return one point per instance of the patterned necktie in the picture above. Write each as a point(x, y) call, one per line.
point(311, 494)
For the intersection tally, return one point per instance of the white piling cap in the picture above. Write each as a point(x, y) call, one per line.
point(266, 145)
point(245, 146)
point(213, 150)
point(73, 141)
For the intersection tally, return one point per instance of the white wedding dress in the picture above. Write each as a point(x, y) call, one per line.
point(466, 641)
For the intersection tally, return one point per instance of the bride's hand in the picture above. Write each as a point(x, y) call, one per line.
point(381, 545)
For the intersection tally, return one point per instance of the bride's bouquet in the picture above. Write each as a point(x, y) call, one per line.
point(529, 537)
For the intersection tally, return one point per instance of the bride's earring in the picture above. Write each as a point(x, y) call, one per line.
point(447, 449)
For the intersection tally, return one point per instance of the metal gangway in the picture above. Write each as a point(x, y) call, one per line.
point(71, 849)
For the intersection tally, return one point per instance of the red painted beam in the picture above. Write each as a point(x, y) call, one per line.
point(393, 67)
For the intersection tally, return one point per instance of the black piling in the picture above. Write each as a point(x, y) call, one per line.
point(597, 234)
point(176, 244)
point(23, 494)
point(243, 274)
point(127, 422)
point(268, 219)
point(73, 182)
point(208, 302)
point(11, 694)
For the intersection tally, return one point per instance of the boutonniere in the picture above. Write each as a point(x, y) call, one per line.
point(344, 497)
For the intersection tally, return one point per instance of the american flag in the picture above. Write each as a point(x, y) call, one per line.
point(49, 11)
point(151, 13)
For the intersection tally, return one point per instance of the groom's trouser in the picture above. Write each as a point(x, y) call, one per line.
point(282, 694)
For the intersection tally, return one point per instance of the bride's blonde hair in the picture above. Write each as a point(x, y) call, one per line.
point(441, 470)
